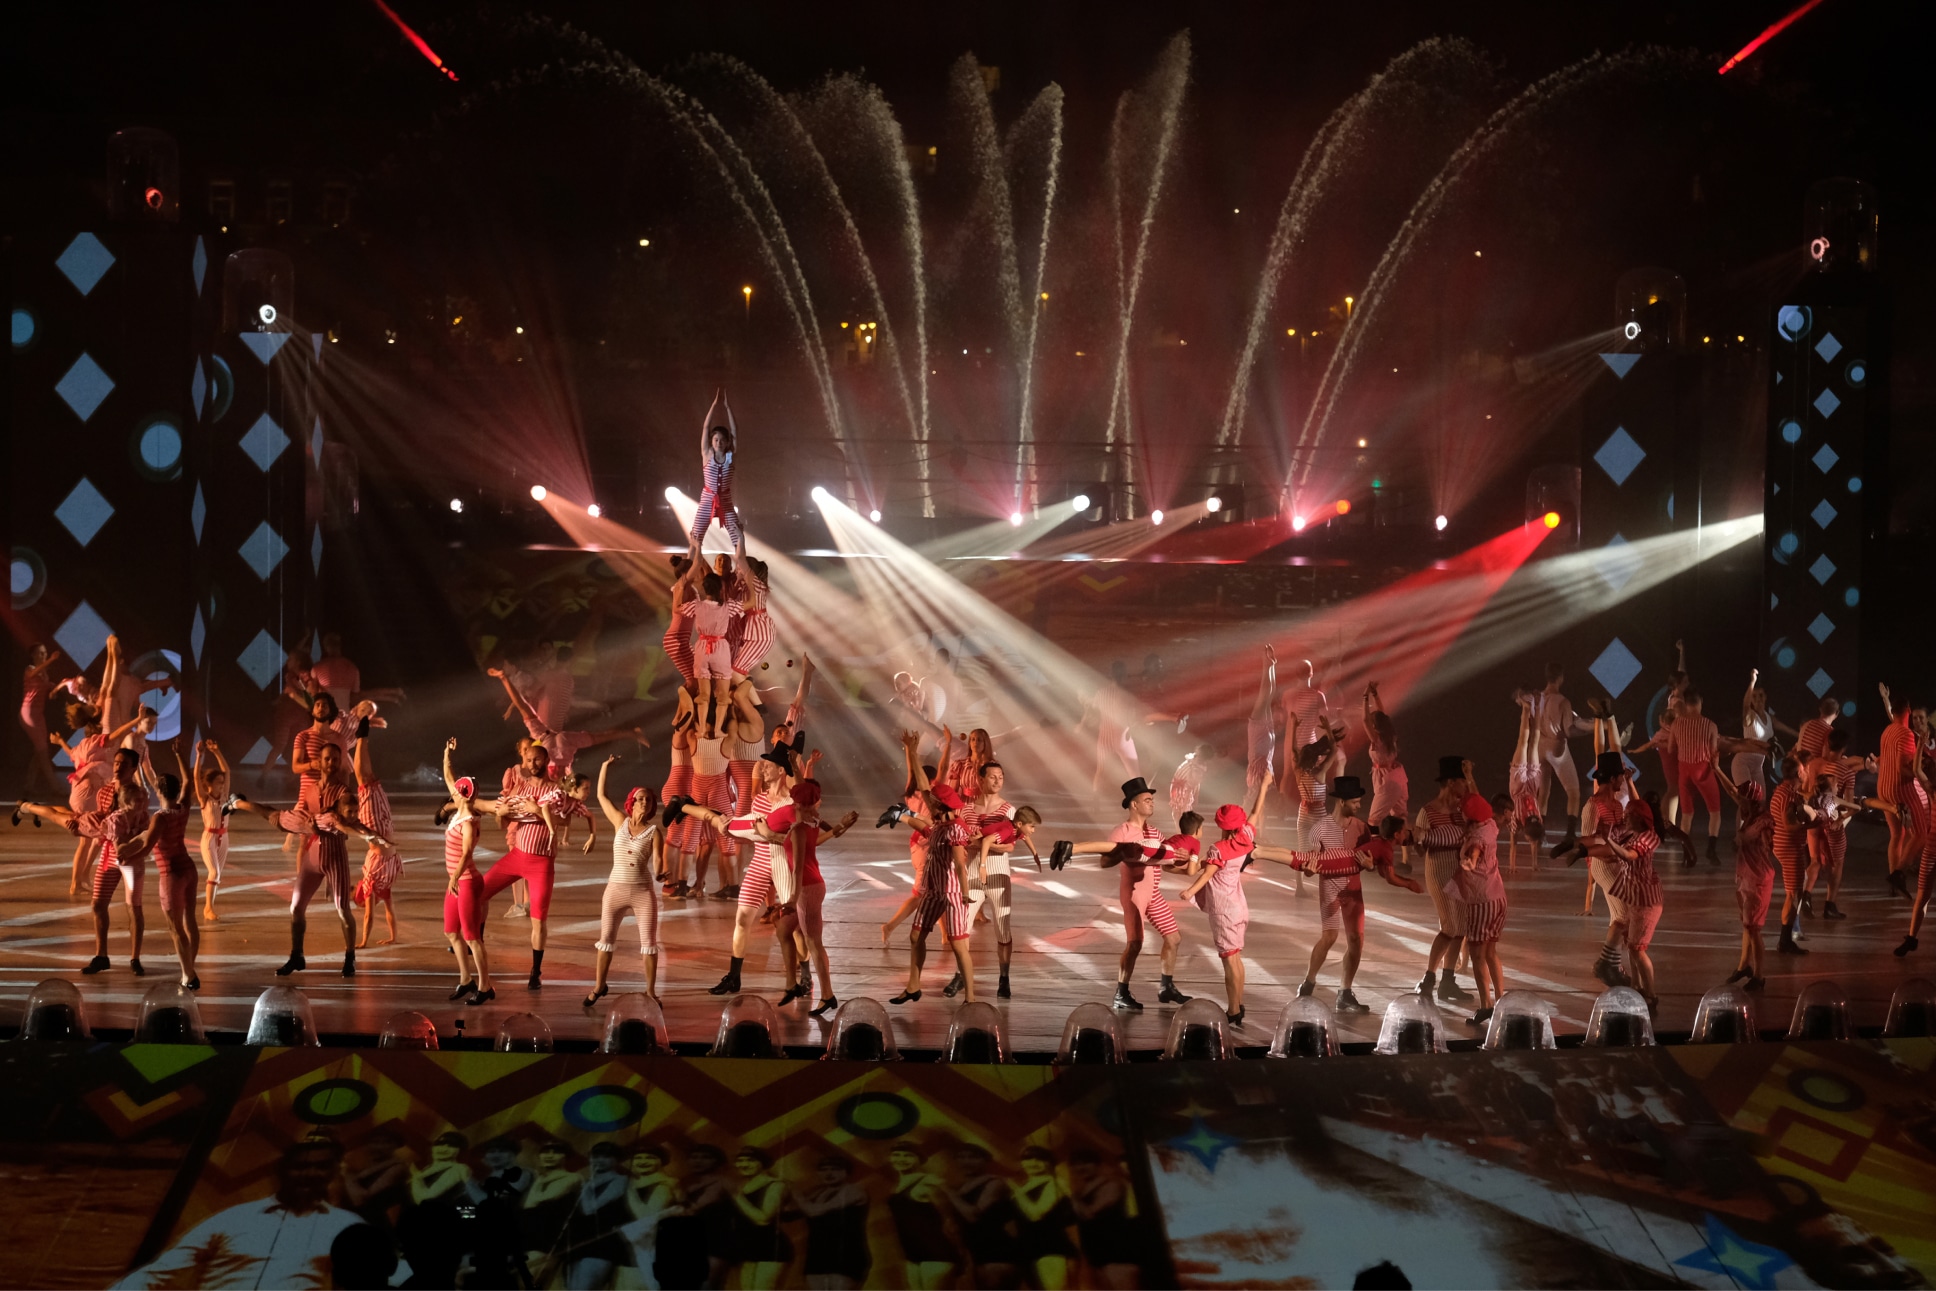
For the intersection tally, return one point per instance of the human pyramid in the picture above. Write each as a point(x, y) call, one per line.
point(741, 798)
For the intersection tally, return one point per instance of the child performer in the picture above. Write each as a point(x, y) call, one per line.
point(1522, 783)
point(464, 904)
point(637, 842)
point(1484, 895)
point(1218, 891)
point(212, 800)
point(716, 442)
point(1754, 869)
point(712, 658)
point(943, 887)
point(175, 869)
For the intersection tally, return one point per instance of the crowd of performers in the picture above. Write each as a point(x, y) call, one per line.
point(741, 803)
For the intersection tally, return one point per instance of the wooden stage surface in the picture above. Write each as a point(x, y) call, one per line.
point(1067, 934)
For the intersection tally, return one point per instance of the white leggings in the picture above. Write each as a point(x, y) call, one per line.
point(1560, 766)
point(641, 901)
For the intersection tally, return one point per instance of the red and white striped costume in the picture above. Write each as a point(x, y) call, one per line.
point(712, 656)
point(940, 890)
point(1791, 834)
point(174, 868)
point(809, 888)
point(677, 644)
point(1696, 739)
point(740, 772)
point(93, 767)
point(712, 784)
point(1441, 828)
point(1812, 738)
point(1222, 898)
point(464, 909)
point(308, 746)
point(1896, 758)
point(756, 884)
point(534, 848)
point(1480, 888)
point(325, 855)
point(631, 890)
point(1636, 882)
point(382, 865)
point(752, 635)
point(1754, 869)
point(678, 784)
point(115, 828)
point(1140, 887)
point(1334, 858)
point(716, 499)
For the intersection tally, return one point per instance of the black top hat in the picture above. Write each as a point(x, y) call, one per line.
point(1347, 787)
point(1451, 767)
point(1136, 788)
point(1608, 766)
point(781, 756)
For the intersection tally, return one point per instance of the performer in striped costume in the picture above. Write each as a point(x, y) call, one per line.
point(942, 890)
point(716, 443)
point(533, 804)
point(1637, 885)
point(1218, 890)
point(382, 863)
point(165, 836)
point(1440, 829)
point(1696, 740)
point(1137, 845)
point(113, 825)
point(753, 631)
point(1754, 870)
point(1900, 783)
point(1791, 849)
point(1484, 894)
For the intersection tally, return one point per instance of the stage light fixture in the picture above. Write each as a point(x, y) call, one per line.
point(267, 315)
point(1551, 519)
point(457, 505)
point(593, 511)
point(156, 199)
point(1213, 505)
point(520, 331)
point(1440, 524)
point(1015, 518)
point(1297, 524)
point(671, 493)
point(819, 494)
point(1631, 331)
point(1344, 506)
point(645, 242)
point(875, 516)
point(538, 493)
point(1079, 503)
point(1156, 517)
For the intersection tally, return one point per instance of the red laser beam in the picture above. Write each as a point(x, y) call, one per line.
point(424, 48)
point(1748, 49)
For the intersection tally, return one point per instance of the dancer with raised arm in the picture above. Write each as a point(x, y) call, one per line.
point(34, 689)
point(464, 905)
point(114, 827)
point(1391, 790)
point(1522, 785)
point(563, 746)
point(637, 843)
point(94, 758)
point(717, 440)
point(1556, 723)
point(1260, 734)
point(531, 801)
point(382, 863)
point(942, 888)
point(175, 869)
point(212, 801)
point(1696, 741)
point(1754, 870)
point(1218, 890)
point(1137, 845)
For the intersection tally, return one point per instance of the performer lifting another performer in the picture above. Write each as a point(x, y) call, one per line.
point(1137, 846)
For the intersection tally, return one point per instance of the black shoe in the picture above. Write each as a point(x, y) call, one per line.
point(16, 815)
point(1898, 880)
point(1428, 983)
point(905, 997)
point(134, 966)
point(1305, 987)
point(1754, 983)
point(463, 989)
point(97, 964)
point(891, 817)
point(1060, 853)
point(1349, 1003)
point(1480, 1018)
point(1908, 944)
point(535, 981)
point(954, 987)
point(482, 997)
point(1449, 989)
point(596, 996)
point(1787, 946)
point(1236, 1019)
point(1808, 903)
point(1830, 912)
point(1607, 971)
point(728, 985)
point(791, 994)
point(1713, 851)
point(294, 964)
point(823, 1008)
point(194, 982)
point(1739, 975)
point(672, 810)
point(1170, 995)
point(1001, 987)
point(1124, 1000)
point(349, 963)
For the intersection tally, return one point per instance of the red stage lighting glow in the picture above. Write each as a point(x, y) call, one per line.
point(156, 198)
point(1551, 519)
point(417, 40)
point(1773, 31)
point(1297, 523)
point(1344, 506)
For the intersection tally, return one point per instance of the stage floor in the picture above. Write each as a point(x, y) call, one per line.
point(1068, 936)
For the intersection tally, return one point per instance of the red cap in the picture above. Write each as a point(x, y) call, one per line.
point(466, 787)
point(1231, 816)
point(806, 793)
point(1476, 808)
point(943, 794)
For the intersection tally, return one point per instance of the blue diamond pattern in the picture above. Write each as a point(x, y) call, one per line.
point(197, 389)
point(260, 754)
point(1620, 455)
point(1821, 627)
point(1773, 600)
point(264, 344)
point(1825, 459)
point(197, 511)
point(1615, 668)
point(1823, 513)
point(1823, 569)
point(316, 549)
point(1616, 567)
point(84, 262)
point(197, 634)
point(264, 442)
point(1820, 683)
point(1621, 364)
point(198, 265)
point(261, 659)
point(83, 636)
point(1826, 402)
point(263, 550)
point(84, 386)
point(316, 442)
point(1828, 347)
point(84, 512)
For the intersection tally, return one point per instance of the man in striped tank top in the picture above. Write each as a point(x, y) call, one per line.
point(1696, 739)
point(532, 804)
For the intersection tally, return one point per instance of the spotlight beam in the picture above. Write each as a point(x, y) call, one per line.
point(422, 46)
point(1774, 29)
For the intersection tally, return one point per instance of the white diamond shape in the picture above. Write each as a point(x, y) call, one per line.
point(1821, 627)
point(198, 264)
point(1823, 569)
point(1823, 513)
point(1616, 567)
point(197, 389)
point(197, 511)
point(263, 550)
point(83, 636)
point(197, 634)
point(84, 386)
point(259, 753)
point(1828, 347)
point(1615, 668)
point(264, 344)
point(1825, 459)
point(1620, 455)
point(264, 442)
point(316, 549)
point(261, 659)
point(84, 261)
point(84, 512)
point(1820, 683)
point(1826, 403)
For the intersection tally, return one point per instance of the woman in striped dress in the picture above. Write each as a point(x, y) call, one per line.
point(382, 863)
point(716, 469)
point(1637, 884)
point(637, 844)
point(1791, 849)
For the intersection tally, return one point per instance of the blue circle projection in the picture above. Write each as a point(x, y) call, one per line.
point(1857, 373)
point(1848, 708)
point(1789, 543)
point(1791, 431)
point(1786, 656)
point(1794, 321)
point(1852, 597)
point(25, 327)
point(604, 1109)
point(1855, 483)
point(29, 577)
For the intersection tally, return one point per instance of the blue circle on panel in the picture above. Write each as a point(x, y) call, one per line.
point(1855, 483)
point(1789, 542)
point(23, 576)
point(1848, 708)
point(25, 327)
point(161, 446)
point(1794, 321)
point(1791, 431)
point(1857, 373)
point(1786, 657)
point(29, 577)
point(1852, 597)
